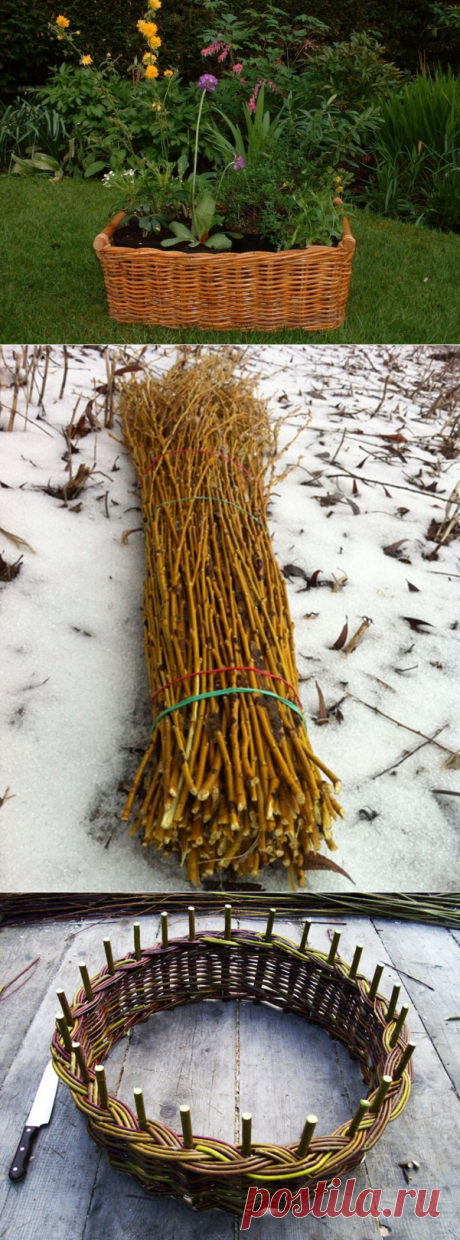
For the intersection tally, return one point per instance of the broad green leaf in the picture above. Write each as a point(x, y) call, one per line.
point(219, 242)
point(203, 214)
point(181, 232)
point(95, 167)
point(182, 164)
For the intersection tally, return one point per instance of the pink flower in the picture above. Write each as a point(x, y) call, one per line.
point(239, 162)
point(224, 54)
point(212, 49)
point(253, 99)
point(237, 68)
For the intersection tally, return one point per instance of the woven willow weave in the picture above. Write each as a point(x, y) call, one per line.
point(293, 288)
point(230, 965)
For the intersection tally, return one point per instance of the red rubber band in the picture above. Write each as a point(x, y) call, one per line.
point(216, 671)
point(205, 452)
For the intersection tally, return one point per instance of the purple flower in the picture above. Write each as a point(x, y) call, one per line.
point(207, 81)
point(239, 162)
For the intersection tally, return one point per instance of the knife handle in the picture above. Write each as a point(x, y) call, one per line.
point(18, 1167)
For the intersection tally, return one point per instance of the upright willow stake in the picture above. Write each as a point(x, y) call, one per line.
point(304, 1144)
point(186, 1121)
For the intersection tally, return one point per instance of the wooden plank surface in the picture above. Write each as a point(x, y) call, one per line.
point(224, 1059)
point(45, 943)
point(430, 959)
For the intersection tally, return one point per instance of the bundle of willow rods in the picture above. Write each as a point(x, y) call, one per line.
point(229, 778)
point(428, 909)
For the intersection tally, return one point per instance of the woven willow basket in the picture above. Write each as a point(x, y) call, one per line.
point(294, 288)
point(231, 964)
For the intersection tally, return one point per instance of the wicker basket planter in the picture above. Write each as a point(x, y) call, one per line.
point(246, 965)
point(264, 291)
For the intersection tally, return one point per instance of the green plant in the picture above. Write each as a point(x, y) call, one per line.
point(326, 133)
point(94, 116)
point(204, 218)
point(284, 199)
point(150, 192)
point(261, 131)
point(355, 71)
point(446, 15)
point(417, 169)
point(313, 218)
point(27, 128)
point(280, 39)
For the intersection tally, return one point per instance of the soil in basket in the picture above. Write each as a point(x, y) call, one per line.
point(130, 235)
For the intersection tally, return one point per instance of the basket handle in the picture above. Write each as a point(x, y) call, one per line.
point(347, 242)
point(103, 238)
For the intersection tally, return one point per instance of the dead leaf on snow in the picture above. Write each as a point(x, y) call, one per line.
point(395, 551)
point(341, 638)
point(417, 625)
point(316, 861)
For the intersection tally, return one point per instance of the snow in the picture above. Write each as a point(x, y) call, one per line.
point(75, 711)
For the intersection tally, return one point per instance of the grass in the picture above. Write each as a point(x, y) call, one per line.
point(405, 285)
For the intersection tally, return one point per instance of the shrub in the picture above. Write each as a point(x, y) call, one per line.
point(282, 197)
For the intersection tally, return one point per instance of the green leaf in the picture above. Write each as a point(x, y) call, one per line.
point(182, 165)
point(181, 232)
point(204, 214)
point(169, 241)
point(219, 242)
point(39, 163)
point(96, 167)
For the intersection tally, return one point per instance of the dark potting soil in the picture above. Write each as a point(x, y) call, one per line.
point(130, 235)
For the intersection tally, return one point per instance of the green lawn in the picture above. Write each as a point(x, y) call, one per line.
point(405, 284)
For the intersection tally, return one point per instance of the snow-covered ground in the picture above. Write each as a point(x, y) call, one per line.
point(379, 446)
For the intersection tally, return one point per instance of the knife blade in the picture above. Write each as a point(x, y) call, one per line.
point(40, 1114)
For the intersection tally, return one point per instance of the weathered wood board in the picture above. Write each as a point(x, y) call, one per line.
point(224, 1059)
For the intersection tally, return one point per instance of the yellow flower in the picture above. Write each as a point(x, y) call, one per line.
point(63, 22)
point(154, 41)
point(86, 60)
point(168, 73)
point(156, 107)
point(148, 58)
point(154, 4)
point(109, 55)
point(147, 28)
point(151, 71)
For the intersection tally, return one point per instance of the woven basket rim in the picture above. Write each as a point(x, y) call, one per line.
point(218, 1161)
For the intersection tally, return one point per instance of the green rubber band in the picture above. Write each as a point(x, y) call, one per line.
point(190, 500)
point(212, 693)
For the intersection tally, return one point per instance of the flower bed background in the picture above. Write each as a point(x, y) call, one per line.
point(405, 30)
point(285, 118)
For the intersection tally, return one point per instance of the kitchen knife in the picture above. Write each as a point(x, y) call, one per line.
point(40, 1114)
